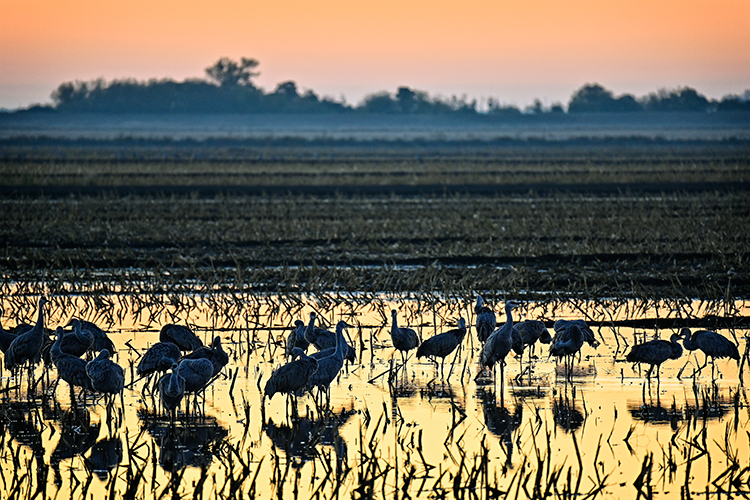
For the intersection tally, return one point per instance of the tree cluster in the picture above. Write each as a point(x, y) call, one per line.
point(229, 88)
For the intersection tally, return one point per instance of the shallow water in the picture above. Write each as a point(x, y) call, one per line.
point(606, 433)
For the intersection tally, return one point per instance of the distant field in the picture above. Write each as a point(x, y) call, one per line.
point(665, 126)
point(632, 219)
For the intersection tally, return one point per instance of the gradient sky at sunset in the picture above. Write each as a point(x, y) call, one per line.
point(511, 50)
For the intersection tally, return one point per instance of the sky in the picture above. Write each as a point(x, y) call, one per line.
point(511, 50)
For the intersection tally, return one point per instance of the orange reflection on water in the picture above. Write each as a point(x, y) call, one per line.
point(606, 431)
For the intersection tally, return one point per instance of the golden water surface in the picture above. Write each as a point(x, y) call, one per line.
point(386, 433)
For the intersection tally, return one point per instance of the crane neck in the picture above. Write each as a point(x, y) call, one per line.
point(40, 317)
point(509, 315)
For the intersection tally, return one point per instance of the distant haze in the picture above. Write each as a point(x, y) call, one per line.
point(513, 51)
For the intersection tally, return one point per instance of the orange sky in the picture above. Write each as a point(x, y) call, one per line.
point(511, 50)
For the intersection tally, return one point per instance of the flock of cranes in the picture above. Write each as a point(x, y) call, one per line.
point(184, 365)
point(319, 369)
point(82, 355)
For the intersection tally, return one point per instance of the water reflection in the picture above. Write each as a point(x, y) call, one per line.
point(189, 441)
point(500, 421)
point(416, 430)
point(567, 416)
point(105, 455)
point(655, 413)
point(300, 437)
point(23, 422)
point(77, 435)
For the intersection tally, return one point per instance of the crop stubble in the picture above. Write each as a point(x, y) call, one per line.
point(641, 222)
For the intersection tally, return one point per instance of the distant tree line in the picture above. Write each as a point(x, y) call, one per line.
point(229, 88)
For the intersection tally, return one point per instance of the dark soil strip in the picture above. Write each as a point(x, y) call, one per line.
point(370, 190)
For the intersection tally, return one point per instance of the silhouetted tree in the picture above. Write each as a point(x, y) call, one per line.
point(380, 102)
point(287, 90)
point(494, 108)
point(227, 73)
point(733, 103)
point(684, 99)
point(593, 98)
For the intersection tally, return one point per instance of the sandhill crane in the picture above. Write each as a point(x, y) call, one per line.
point(215, 354)
point(323, 339)
point(196, 372)
point(486, 321)
point(171, 388)
point(655, 352)
point(158, 358)
point(101, 339)
point(181, 336)
point(71, 369)
point(293, 376)
point(711, 343)
point(28, 345)
point(404, 339)
point(531, 331)
point(296, 338)
point(107, 377)
point(500, 343)
point(77, 342)
point(442, 344)
point(329, 362)
point(566, 344)
point(562, 326)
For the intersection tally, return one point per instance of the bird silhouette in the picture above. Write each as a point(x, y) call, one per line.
point(531, 331)
point(158, 358)
point(323, 339)
point(77, 434)
point(71, 369)
point(27, 347)
point(562, 326)
point(171, 389)
point(500, 342)
point(566, 344)
point(711, 343)
point(77, 342)
point(182, 336)
point(329, 362)
point(104, 456)
point(404, 339)
point(215, 354)
point(196, 372)
point(655, 352)
point(442, 344)
point(486, 321)
point(107, 377)
point(293, 376)
point(6, 338)
point(101, 339)
point(296, 338)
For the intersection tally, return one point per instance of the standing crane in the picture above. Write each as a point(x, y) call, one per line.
point(711, 343)
point(182, 336)
point(293, 376)
point(329, 362)
point(171, 390)
point(404, 339)
point(442, 344)
point(27, 347)
point(486, 321)
point(500, 343)
point(323, 339)
point(215, 354)
point(655, 352)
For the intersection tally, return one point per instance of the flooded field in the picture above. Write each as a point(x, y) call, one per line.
point(603, 432)
point(240, 238)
